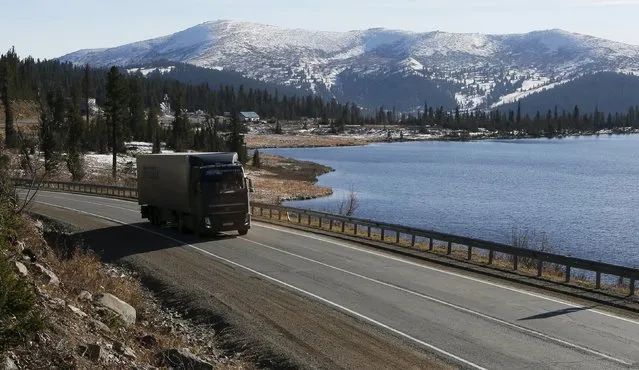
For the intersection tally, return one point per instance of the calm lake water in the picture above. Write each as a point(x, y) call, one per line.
point(583, 193)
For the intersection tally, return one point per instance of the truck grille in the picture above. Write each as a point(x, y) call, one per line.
point(228, 208)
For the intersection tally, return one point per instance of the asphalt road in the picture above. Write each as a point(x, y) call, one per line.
point(329, 303)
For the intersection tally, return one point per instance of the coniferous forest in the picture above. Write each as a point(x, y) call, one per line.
point(130, 104)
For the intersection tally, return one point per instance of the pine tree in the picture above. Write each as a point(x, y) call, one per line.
point(116, 113)
point(86, 88)
point(153, 127)
point(179, 134)
point(8, 81)
point(236, 138)
point(136, 121)
point(74, 142)
point(47, 134)
point(256, 159)
point(278, 127)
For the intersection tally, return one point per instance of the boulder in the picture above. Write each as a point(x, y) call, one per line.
point(124, 350)
point(85, 296)
point(93, 352)
point(8, 364)
point(53, 279)
point(124, 310)
point(183, 359)
point(99, 325)
point(77, 311)
point(22, 269)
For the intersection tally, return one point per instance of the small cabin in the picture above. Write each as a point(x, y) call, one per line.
point(248, 117)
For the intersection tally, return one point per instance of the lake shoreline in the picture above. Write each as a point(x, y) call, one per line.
point(292, 141)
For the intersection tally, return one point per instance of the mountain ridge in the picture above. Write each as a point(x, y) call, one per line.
point(472, 70)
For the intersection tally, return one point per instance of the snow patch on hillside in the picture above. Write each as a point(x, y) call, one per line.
point(513, 97)
point(146, 71)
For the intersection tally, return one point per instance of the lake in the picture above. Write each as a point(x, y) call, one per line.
point(581, 192)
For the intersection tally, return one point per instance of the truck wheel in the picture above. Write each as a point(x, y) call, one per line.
point(242, 231)
point(155, 216)
point(181, 227)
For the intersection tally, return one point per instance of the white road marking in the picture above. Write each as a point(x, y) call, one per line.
point(402, 260)
point(398, 259)
point(329, 302)
point(452, 305)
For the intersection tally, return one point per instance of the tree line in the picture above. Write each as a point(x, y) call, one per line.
point(549, 123)
point(130, 108)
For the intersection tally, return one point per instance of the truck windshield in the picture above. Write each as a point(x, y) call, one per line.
point(223, 182)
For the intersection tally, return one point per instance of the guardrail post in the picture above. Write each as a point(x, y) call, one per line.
point(598, 280)
point(397, 238)
point(515, 263)
point(299, 218)
point(491, 256)
point(412, 240)
point(320, 222)
point(470, 253)
point(279, 214)
point(343, 226)
point(540, 268)
point(567, 274)
point(450, 248)
point(309, 220)
point(430, 244)
point(631, 288)
point(354, 229)
point(368, 232)
point(382, 234)
point(330, 224)
point(270, 213)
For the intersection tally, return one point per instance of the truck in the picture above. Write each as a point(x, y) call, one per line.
point(203, 193)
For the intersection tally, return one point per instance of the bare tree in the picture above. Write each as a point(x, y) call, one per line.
point(32, 167)
point(349, 205)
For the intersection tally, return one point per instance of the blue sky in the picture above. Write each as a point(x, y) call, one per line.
point(51, 28)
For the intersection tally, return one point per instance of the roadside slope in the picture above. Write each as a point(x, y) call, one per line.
point(272, 326)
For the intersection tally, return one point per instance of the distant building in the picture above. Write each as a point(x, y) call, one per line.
point(92, 107)
point(248, 117)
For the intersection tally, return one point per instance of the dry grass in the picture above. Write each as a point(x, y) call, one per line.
point(84, 271)
point(303, 141)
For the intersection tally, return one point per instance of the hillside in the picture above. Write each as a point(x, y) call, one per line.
point(607, 92)
point(472, 70)
point(194, 75)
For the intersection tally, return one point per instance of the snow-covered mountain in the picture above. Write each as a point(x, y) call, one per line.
point(384, 67)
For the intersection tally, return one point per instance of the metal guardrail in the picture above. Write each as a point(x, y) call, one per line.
point(77, 187)
point(385, 232)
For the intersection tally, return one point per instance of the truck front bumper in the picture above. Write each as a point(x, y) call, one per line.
point(227, 222)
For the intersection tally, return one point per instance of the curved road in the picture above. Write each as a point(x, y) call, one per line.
point(328, 303)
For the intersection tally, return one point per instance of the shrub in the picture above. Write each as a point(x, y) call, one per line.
point(18, 319)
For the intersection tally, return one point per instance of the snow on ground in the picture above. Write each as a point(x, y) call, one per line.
point(99, 162)
point(513, 97)
point(534, 83)
point(146, 71)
